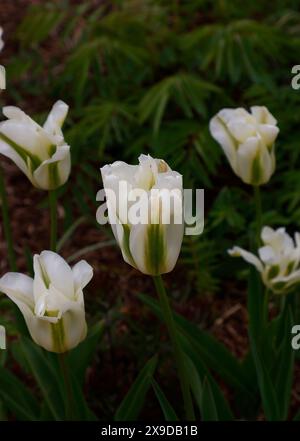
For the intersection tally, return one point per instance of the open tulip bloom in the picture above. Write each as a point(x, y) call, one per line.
point(279, 259)
point(52, 302)
point(40, 152)
point(153, 246)
point(247, 140)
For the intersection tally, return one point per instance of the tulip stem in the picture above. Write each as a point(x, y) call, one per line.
point(7, 225)
point(53, 219)
point(178, 352)
point(69, 397)
point(257, 199)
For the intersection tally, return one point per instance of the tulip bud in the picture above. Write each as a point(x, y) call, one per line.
point(247, 140)
point(279, 259)
point(40, 152)
point(52, 302)
point(153, 245)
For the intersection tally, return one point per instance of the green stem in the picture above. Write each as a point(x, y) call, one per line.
point(68, 387)
point(257, 199)
point(179, 355)
point(53, 219)
point(7, 225)
point(266, 307)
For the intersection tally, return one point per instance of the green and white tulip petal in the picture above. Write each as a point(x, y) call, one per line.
point(52, 302)
point(40, 152)
point(247, 139)
point(153, 246)
point(278, 259)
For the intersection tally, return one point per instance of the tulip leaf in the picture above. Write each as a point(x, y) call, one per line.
point(255, 304)
point(285, 367)
point(213, 353)
point(166, 407)
point(47, 376)
point(132, 404)
point(209, 409)
point(80, 357)
point(256, 329)
point(198, 374)
point(17, 398)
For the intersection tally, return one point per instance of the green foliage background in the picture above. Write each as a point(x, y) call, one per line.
point(145, 77)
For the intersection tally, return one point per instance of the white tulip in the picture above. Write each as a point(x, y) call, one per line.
point(152, 246)
point(40, 152)
point(247, 140)
point(52, 302)
point(279, 259)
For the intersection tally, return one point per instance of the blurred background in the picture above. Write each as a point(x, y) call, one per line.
point(145, 76)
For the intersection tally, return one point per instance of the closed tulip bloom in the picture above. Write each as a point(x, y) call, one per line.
point(278, 261)
point(153, 246)
point(52, 302)
point(40, 152)
point(247, 140)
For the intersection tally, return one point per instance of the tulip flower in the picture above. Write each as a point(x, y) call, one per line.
point(153, 246)
point(279, 259)
point(247, 140)
point(40, 152)
point(52, 302)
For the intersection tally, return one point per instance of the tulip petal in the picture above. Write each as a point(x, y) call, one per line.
point(82, 274)
point(50, 267)
point(262, 115)
point(19, 288)
point(25, 132)
point(221, 134)
point(56, 119)
point(248, 257)
point(55, 171)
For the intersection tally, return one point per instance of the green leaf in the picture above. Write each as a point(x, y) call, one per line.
point(256, 331)
point(208, 405)
point(285, 367)
point(17, 398)
point(213, 353)
point(165, 405)
point(81, 356)
point(266, 387)
point(132, 404)
point(198, 373)
point(47, 375)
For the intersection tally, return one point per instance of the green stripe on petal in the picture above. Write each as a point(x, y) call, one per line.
point(23, 153)
point(125, 244)
point(256, 172)
point(155, 252)
point(54, 180)
point(58, 336)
